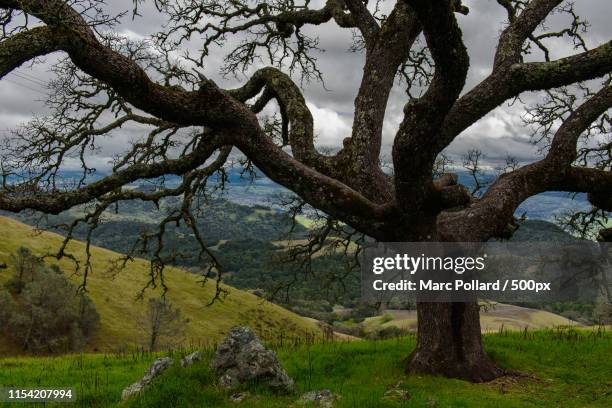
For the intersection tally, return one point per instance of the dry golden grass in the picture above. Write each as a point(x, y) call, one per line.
point(115, 297)
point(509, 317)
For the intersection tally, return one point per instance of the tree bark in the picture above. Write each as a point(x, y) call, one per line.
point(449, 343)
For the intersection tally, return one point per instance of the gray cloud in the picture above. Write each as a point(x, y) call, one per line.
point(499, 133)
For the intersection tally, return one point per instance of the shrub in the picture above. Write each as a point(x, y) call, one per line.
point(363, 310)
point(6, 303)
point(603, 313)
point(25, 268)
point(398, 303)
point(387, 333)
point(47, 314)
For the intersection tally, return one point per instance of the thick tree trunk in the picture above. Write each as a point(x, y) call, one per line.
point(449, 343)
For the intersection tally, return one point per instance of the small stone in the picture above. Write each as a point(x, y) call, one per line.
point(159, 366)
point(191, 358)
point(397, 394)
point(238, 397)
point(321, 398)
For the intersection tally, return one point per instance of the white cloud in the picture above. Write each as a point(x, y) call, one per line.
point(96, 162)
point(330, 128)
point(132, 35)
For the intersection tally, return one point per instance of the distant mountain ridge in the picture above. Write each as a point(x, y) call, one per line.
point(218, 220)
point(257, 189)
point(538, 230)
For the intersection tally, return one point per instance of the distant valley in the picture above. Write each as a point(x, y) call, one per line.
point(247, 231)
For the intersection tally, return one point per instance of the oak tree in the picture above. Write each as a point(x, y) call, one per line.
point(106, 81)
point(162, 324)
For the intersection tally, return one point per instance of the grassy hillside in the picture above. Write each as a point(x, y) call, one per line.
point(568, 368)
point(114, 297)
point(499, 316)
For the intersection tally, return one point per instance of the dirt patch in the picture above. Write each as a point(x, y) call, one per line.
point(515, 380)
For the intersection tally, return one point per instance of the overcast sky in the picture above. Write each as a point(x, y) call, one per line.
point(497, 135)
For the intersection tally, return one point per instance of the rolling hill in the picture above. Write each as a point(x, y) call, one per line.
point(115, 297)
point(498, 317)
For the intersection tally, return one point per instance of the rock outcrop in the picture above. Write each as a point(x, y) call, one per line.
point(191, 358)
point(242, 357)
point(159, 366)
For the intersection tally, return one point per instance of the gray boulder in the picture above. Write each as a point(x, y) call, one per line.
point(241, 357)
point(191, 358)
point(159, 366)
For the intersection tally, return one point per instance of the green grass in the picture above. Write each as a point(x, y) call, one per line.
point(115, 297)
point(568, 368)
